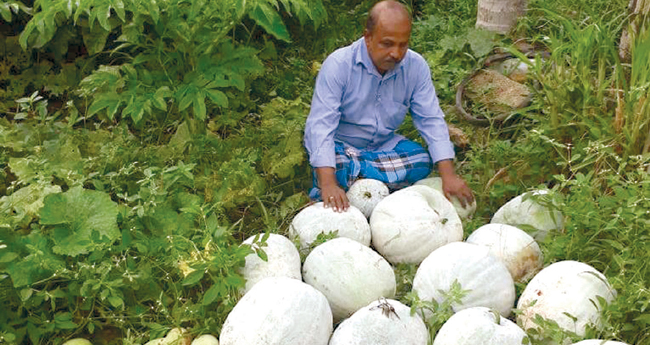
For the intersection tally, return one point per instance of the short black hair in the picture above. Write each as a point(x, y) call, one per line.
point(373, 14)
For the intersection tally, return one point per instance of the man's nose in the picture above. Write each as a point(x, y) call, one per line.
point(395, 53)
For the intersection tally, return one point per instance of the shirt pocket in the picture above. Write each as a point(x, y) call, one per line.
point(394, 114)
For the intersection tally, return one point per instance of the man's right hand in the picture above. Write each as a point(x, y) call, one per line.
point(333, 195)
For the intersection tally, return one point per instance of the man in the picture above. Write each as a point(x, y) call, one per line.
point(362, 94)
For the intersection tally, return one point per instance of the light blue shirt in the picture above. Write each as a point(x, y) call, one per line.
point(355, 104)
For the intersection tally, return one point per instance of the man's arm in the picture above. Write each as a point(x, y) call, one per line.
point(333, 195)
point(429, 120)
point(319, 131)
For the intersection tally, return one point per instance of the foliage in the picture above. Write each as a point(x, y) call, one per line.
point(143, 141)
point(98, 232)
point(436, 313)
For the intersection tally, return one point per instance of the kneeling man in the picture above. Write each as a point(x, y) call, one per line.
point(362, 94)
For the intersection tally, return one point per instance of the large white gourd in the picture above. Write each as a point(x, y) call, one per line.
point(513, 246)
point(523, 211)
point(599, 342)
point(283, 260)
point(279, 311)
point(564, 287)
point(316, 219)
point(205, 339)
point(463, 212)
point(485, 277)
point(349, 274)
point(365, 194)
point(412, 222)
point(382, 322)
point(479, 326)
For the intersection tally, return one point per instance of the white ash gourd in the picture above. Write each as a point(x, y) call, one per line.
point(485, 277)
point(205, 339)
point(479, 326)
point(599, 342)
point(382, 322)
point(463, 212)
point(349, 274)
point(513, 246)
point(283, 260)
point(365, 194)
point(523, 211)
point(412, 222)
point(316, 219)
point(279, 311)
point(565, 287)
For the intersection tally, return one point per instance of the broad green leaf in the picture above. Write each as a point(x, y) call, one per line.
point(116, 301)
point(212, 294)
point(187, 96)
point(27, 201)
point(64, 321)
point(217, 97)
point(38, 264)
point(82, 220)
point(268, 18)
point(6, 257)
point(193, 277)
point(198, 106)
point(94, 38)
point(5, 11)
point(110, 101)
point(181, 138)
point(481, 41)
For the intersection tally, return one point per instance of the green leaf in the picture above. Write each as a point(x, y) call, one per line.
point(83, 220)
point(212, 294)
point(7, 257)
point(481, 41)
point(64, 321)
point(198, 106)
point(270, 20)
point(116, 301)
point(94, 38)
point(5, 11)
point(110, 101)
point(193, 277)
point(217, 97)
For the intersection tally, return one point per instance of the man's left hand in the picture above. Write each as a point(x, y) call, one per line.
point(453, 185)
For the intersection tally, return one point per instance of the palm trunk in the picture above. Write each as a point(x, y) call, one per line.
point(499, 15)
point(639, 10)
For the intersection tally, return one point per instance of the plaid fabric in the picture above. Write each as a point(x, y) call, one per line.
point(407, 163)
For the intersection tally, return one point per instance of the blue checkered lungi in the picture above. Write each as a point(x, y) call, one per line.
point(404, 165)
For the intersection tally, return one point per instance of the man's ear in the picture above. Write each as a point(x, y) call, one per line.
point(366, 34)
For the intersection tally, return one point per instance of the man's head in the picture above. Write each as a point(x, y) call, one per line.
point(387, 34)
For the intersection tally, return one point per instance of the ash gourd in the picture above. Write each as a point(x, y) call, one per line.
point(382, 322)
point(349, 274)
point(514, 247)
point(283, 260)
point(279, 311)
point(565, 287)
point(485, 278)
point(316, 219)
point(412, 222)
point(479, 326)
point(365, 194)
point(525, 211)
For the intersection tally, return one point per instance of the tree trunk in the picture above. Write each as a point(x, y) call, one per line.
point(499, 16)
point(639, 11)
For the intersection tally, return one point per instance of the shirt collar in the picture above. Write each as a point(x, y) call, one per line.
point(363, 57)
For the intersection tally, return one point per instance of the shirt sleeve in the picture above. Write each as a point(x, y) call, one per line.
point(325, 112)
point(428, 118)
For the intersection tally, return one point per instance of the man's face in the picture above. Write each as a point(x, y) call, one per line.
point(388, 42)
